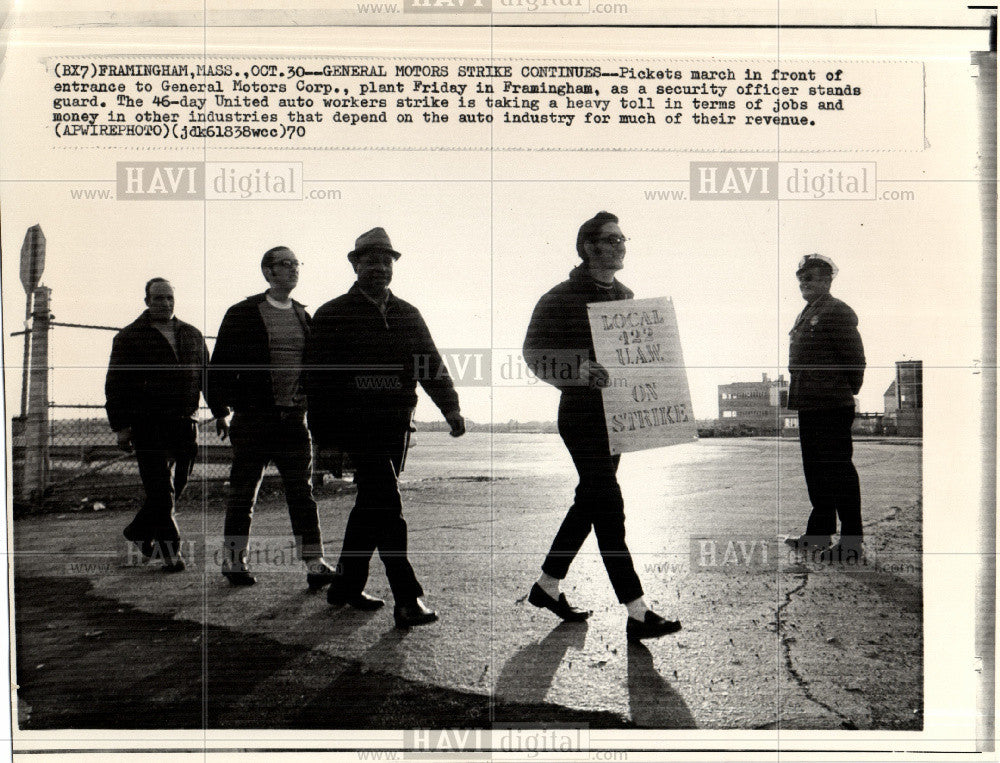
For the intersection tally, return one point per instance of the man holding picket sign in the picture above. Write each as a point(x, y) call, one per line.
point(559, 336)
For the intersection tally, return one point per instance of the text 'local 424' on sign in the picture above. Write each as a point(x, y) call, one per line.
point(647, 403)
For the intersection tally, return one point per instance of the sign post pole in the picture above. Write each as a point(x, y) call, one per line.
point(32, 264)
point(36, 463)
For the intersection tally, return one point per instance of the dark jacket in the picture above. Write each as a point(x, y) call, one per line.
point(147, 381)
point(240, 374)
point(559, 337)
point(826, 359)
point(361, 365)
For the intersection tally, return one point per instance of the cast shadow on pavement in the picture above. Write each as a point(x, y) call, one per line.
point(907, 596)
point(86, 661)
point(653, 701)
point(527, 676)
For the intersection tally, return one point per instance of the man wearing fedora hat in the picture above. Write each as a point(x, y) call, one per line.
point(255, 370)
point(826, 361)
point(366, 352)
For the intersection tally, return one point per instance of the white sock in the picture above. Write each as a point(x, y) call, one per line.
point(637, 609)
point(550, 585)
point(314, 562)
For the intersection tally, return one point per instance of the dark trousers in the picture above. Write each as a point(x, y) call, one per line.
point(258, 438)
point(165, 452)
point(832, 480)
point(598, 504)
point(376, 521)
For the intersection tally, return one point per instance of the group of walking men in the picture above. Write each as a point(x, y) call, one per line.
point(360, 393)
point(353, 367)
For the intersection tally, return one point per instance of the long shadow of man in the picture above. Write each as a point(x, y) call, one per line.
point(653, 701)
point(527, 676)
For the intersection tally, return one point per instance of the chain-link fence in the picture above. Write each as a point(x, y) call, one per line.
point(56, 456)
point(83, 459)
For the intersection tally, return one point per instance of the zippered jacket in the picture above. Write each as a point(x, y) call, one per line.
point(240, 373)
point(147, 381)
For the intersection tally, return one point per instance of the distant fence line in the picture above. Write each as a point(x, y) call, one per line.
point(50, 454)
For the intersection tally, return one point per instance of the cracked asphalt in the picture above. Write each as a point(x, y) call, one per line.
point(769, 640)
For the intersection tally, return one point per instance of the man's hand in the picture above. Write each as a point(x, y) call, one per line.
point(456, 422)
point(221, 427)
point(124, 439)
point(596, 375)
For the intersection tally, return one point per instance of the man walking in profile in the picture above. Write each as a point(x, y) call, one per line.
point(827, 366)
point(153, 386)
point(560, 329)
point(255, 370)
point(367, 351)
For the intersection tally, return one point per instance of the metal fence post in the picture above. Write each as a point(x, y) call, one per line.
point(36, 461)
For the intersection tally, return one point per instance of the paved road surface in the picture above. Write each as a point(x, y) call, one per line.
point(767, 642)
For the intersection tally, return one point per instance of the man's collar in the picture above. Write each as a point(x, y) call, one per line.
point(818, 301)
point(811, 307)
point(286, 305)
point(146, 316)
point(256, 299)
point(582, 273)
point(381, 304)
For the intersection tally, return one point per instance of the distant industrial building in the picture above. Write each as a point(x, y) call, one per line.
point(757, 407)
point(760, 408)
point(904, 400)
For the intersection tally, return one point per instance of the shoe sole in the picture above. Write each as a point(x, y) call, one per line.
point(642, 637)
point(545, 605)
point(372, 607)
point(794, 543)
point(414, 623)
point(317, 584)
point(238, 583)
point(363, 608)
point(139, 543)
point(848, 561)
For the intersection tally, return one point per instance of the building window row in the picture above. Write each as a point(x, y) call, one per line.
point(744, 395)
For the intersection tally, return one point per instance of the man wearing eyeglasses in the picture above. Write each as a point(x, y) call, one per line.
point(367, 351)
point(256, 371)
point(826, 362)
point(559, 335)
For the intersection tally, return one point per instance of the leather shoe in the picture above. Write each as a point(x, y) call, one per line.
point(238, 576)
point(851, 554)
point(145, 545)
point(808, 542)
point(361, 601)
point(175, 565)
point(539, 598)
point(652, 627)
point(413, 613)
point(320, 574)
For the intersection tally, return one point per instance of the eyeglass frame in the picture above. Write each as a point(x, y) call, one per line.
point(612, 239)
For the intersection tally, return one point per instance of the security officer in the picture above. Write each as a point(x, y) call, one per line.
point(827, 366)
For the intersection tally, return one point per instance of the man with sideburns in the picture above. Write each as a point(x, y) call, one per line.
point(560, 327)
